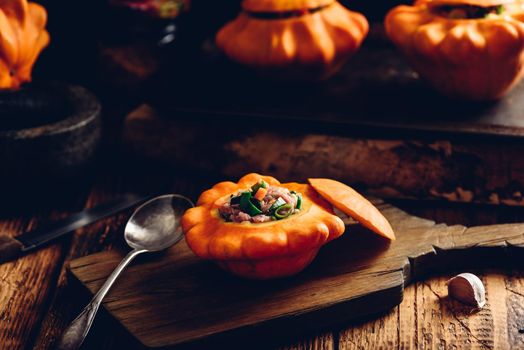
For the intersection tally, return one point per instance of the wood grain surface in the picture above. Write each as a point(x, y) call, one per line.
point(184, 299)
point(459, 170)
point(37, 300)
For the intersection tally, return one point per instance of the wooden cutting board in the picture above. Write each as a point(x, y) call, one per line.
point(176, 298)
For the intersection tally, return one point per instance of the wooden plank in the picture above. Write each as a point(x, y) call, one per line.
point(405, 322)
point(514, 300)
point(381, 333)
point(25, 285)
point(324, 341)
point(429, 319)
point(357, 276)
point(458, 170)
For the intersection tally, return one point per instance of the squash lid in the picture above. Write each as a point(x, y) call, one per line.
point(353, 204)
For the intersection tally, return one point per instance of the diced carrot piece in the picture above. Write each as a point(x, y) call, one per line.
point(261, 193)
point(352, 203)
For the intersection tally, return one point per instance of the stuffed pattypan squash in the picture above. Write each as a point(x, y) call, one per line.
point(293, 39)
point(259, 228)
point(22, 38)
point(470, 49)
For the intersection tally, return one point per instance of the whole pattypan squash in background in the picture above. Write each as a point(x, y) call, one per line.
point(22, 38)
point(469, 49)
point(271, 249)
point(293, 39)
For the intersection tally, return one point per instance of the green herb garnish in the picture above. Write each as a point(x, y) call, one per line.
point(278, 203)
point(283, 211)
point(247, 205)
point(299, 199)
point(234, 200)
point(255, 187)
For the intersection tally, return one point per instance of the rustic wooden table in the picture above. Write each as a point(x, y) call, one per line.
point(37, 300)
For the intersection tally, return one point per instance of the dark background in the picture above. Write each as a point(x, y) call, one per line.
point(77, 27)
point(81, 30)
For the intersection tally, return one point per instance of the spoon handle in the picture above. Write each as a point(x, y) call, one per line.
point(74, 335)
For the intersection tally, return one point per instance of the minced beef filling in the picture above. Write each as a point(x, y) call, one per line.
point(261, 203)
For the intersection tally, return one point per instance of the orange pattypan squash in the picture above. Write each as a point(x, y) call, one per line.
point(298, 39)
point(471, 49)
point(22, 38)
point(260, 250)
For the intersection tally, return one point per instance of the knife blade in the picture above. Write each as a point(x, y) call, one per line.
point(13, 247)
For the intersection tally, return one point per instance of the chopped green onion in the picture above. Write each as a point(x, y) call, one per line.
point(499, 9)
point(278, 203)
point(299, 199)
point(234, 200)
point(256, 202)
point(283, 211)
point(247, 206)
point(257, 186)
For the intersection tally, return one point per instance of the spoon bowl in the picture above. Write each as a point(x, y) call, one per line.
point(155, 225)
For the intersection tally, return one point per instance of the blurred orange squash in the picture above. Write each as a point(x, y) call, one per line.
point(22, 38)
point(470, 49)
point(297, 39)
point(260, 250)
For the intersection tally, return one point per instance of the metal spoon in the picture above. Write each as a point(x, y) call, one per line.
point(154, 226)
